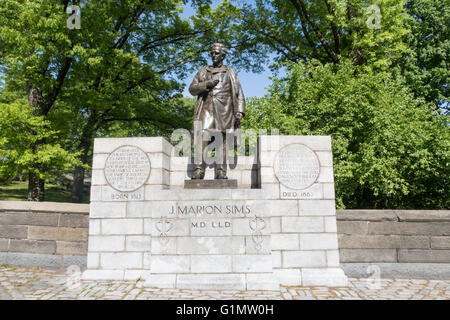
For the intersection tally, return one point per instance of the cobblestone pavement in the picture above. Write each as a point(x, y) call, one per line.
point(43, 284)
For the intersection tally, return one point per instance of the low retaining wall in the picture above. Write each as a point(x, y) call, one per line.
point(55, 235)
point(43, 234)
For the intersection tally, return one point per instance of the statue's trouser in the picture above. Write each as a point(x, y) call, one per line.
point(220, 168)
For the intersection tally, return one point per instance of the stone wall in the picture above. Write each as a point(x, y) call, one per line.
point(394, 236)
point(55, 235)
point(43, 234)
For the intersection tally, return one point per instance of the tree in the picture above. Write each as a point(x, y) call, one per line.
point(116, 68)
point(389, 150)
point(325, 30)
point(426, 63)
point(19, 129)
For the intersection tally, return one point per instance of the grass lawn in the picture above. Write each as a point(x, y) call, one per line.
point(17, 191)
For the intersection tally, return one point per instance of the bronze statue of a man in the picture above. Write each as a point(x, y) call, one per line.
point(220, 105)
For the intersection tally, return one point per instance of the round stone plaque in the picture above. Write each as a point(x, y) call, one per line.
point(296, 166)
point(127, 168)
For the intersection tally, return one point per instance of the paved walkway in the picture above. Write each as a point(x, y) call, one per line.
point(38, 283)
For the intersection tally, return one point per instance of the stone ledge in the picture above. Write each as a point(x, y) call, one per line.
point(58, 207)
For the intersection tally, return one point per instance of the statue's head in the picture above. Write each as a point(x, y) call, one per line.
point(218, 52)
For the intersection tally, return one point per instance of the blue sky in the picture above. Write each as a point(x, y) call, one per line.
point(253, 84)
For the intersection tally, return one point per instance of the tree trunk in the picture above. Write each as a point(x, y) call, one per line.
point(35, 187)
point(78, 174)
point(78, 185)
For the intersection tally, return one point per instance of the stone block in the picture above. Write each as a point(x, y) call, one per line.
point(103, 275)
point(352, 227)
point(121, 260)
point(211, 264)
point(135, 275)
point(73, 221)
point(177, 178)
point(330, 224)
point(267, 191)
point(276, 259)
point(424, 256)
point(273, 208)
point(317, 207)
point(368, 255)
point(275, 224)
point(107, 209)
point(302, 259)
point(170, 264)
point(57, 233)
point(383, 242)
point(333, 258)
point(28, 218)
point(366, 215)
point(96, 193)
point(330, 277)
point(252, 263)
point(284, 241)
point(98, 161)
point(211, 245)
point(94, 226)
point(302, 224)
point(106, 243)
point(315, 241)
point(325, 158)
point(32, 246)
point(326, 175)
point(13, 232)
point(159, 176)
point(257, 245)
point(164, 245)
point(4, 244)
point(93, 260)
point(122, 226)
point(276, 142)
point(328, 191)
point(164, 281)
point(98, 178)
point(262, 281)
point(224, 281)
point(138, 243)
point(267, 158)
point(147, 144)
point(440, 242)
point(159, 160)
point(288, 277)
point(71, 248)
point(410, 228)
point(423, 215)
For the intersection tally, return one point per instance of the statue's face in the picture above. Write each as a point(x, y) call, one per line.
point(217, 55)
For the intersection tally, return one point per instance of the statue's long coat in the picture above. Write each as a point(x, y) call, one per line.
point(216, 108)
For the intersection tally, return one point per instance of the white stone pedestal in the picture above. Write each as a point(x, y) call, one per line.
point(143, 224)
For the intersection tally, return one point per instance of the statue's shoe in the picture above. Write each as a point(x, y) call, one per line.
point(221, 176)
point(198, 174)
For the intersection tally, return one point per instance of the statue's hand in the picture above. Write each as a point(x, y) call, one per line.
point(211, 83)
point(239, 116)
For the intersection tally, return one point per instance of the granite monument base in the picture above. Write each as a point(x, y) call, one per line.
point(142, 226)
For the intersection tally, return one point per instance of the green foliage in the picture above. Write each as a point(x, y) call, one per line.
point(19, 131)
point(426, 63)
point(390, 151)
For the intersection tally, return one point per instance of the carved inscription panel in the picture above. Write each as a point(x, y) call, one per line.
point(127, 168)
point(296, 166)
